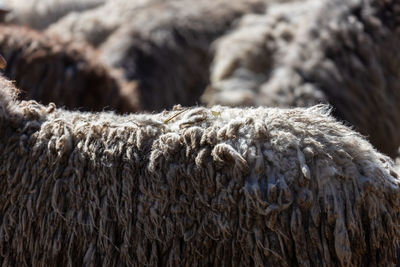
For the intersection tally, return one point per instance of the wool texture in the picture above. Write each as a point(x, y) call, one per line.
point(303, 53)
point(47, 69)
point(191, 187)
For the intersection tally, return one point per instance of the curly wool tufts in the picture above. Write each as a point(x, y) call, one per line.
point(8, 95)
point(196, 186)
point(306, 52)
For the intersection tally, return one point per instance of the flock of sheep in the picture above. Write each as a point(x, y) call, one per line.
point(272, 140)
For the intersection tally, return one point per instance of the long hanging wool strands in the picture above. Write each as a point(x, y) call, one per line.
point(249, 187)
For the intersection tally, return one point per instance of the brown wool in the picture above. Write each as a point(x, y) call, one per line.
point(47, 69)
point(191, 187)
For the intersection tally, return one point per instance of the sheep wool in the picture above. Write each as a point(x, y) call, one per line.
point(163, 46)
point(192, 186)
point(302, 53)
point(95, 25)
point(39, 14)
point(47, 69)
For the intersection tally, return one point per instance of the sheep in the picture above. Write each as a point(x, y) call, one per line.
point(301, 54)
point(95, 25)
point(192, 186)
point(40, 14)
point(247, 57)
point(51, 70)
point(164, 46)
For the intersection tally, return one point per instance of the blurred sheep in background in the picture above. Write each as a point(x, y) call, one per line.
point(47, 69)
point(39, 14)
point(303, 53)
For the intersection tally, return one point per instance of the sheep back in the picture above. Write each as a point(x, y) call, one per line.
point(196, 186)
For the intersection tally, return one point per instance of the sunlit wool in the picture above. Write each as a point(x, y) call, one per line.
point(198, 186)
point(303, 53)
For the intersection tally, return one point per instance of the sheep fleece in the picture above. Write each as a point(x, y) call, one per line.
point(340, 52)
point(191, 187)
point(50, 70)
